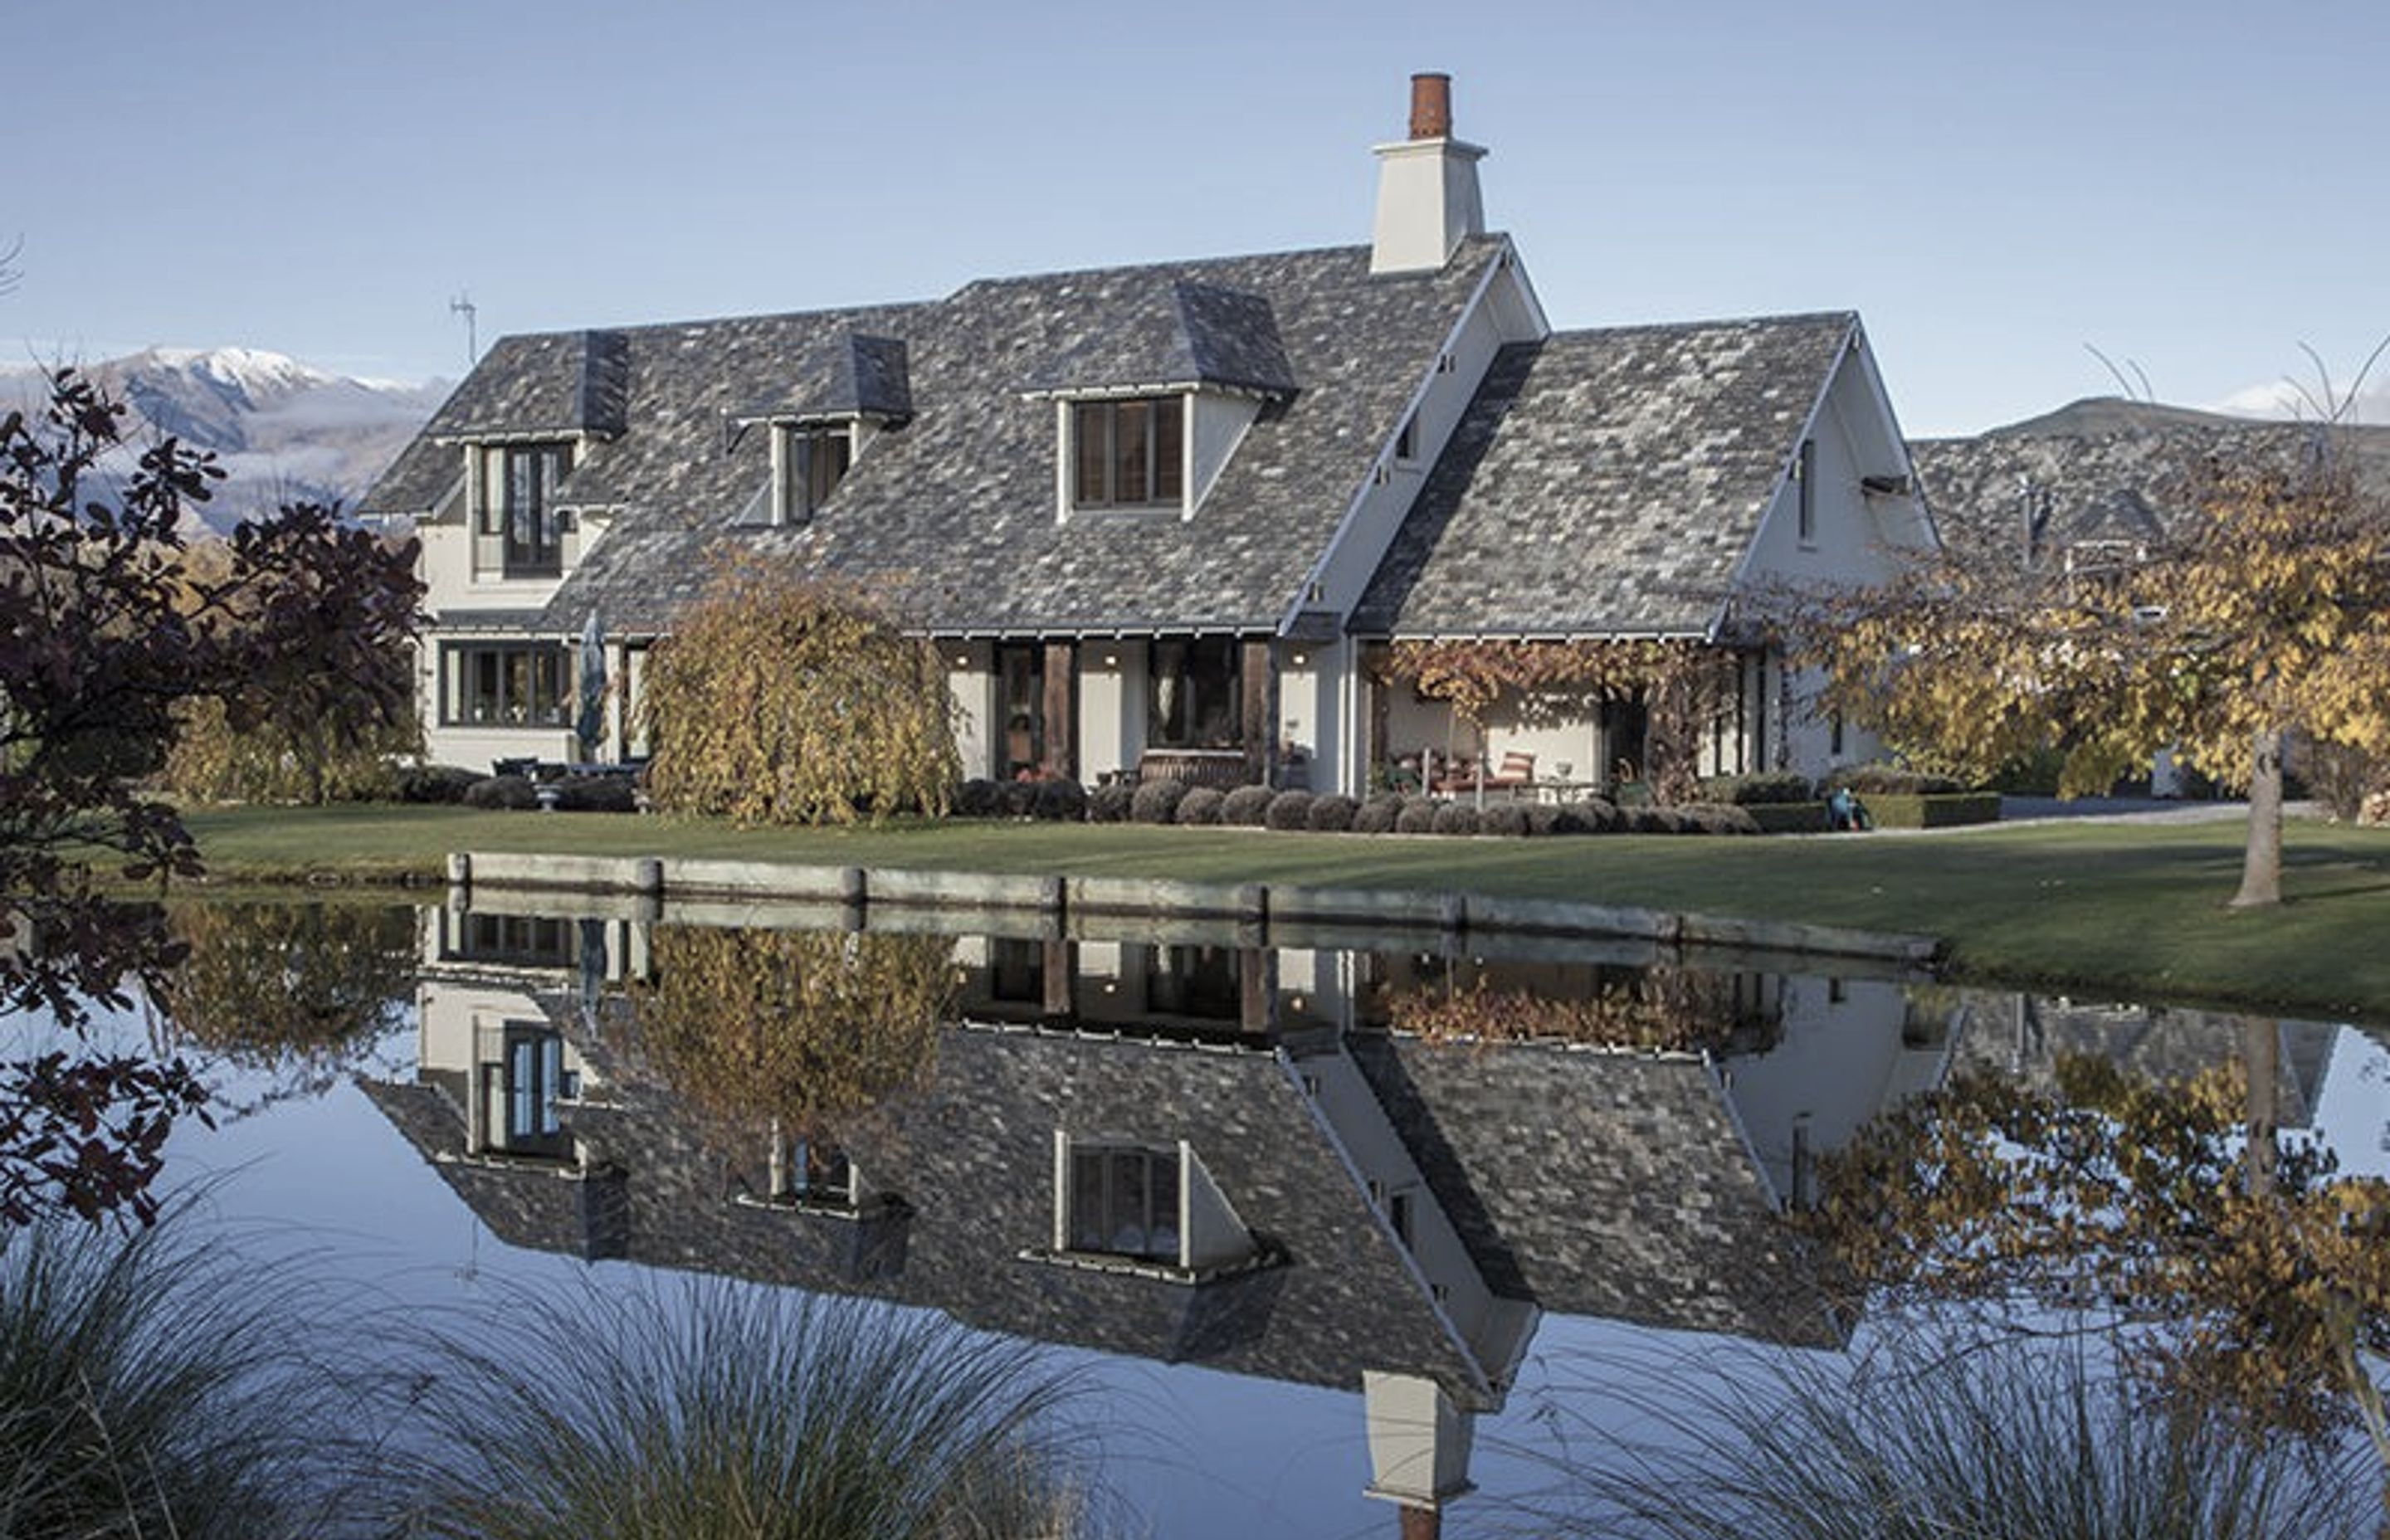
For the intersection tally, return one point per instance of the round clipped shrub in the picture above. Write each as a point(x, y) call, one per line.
point(1601, 815)
point(978, 797)
point(1058, 801)
point(1157, 801)
point(508, 793)
point(1201, 804)
point(1290, 810)
point(1544, 818)
point(1110, 803)
point(1247, 806)
point(596, 794)
point(1456, 818)
point(1418, 817)
point(1509, 818)
point(1377, 815)
point(1332, 814)
point(435, 783)
point(1018, 799)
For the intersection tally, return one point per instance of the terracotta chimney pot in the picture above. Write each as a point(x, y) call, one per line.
point(1431, 106)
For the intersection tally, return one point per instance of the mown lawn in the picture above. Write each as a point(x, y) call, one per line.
point(2134, 910)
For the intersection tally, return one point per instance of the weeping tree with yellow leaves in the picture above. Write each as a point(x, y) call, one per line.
point(785, 700)
point(2265, 612)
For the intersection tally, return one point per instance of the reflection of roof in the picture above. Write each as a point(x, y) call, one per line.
point(2025, 1036)
point(1607, 481)
point(1598, 1184)
point(1613, 1185)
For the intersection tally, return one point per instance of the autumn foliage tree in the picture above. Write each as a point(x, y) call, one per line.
point(2264, 612)
point(2244, 1272)
point(783, 699)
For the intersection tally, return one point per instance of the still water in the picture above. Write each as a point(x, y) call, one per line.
point(1330, 1226)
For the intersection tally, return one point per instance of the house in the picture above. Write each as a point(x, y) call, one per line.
point(1173, 518)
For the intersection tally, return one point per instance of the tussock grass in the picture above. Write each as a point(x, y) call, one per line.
point(2012, 1440)
point(150, 1391)
point(716, 1411)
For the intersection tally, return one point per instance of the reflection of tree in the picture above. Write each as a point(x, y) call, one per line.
point(299, 990)
point(2257, 1278)
point(83, 1130)
point(808, 1028)
point(1663, 1010)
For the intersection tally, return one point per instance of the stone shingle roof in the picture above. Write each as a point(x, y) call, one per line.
point(1606, 481)
point(953, 514)
point(1179, 333)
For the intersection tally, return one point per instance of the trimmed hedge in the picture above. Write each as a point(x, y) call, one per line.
point(1378, 815)
point(1867, 781)
point(1201, 806)
point(435, 783)
point(1789, 817)
point(1774, 786)
point(511, 793)
point(1058, 801)
point(1418, 817)
point(1510, 818)
point(1945, 810)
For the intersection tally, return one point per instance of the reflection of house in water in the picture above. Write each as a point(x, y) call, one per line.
point(1194, 1151)
point(2026, 1036)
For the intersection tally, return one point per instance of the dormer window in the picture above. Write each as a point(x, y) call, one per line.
point(807, 463)
point(1128, 453)
point(518, 489)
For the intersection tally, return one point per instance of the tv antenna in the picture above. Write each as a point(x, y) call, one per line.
point(463, 305)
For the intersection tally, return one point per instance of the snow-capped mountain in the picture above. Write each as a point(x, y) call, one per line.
point(283, 432)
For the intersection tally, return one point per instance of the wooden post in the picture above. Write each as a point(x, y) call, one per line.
point(1059, 970)
point(1259, 671)
point(1060, 706)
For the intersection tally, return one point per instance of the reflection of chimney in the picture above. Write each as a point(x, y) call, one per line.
point(1422, 1523)
point(1428, 200)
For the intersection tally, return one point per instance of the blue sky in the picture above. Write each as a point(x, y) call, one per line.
point(2190, 187)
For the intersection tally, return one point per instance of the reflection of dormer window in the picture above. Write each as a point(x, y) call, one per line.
point(807, 463)
point(1128, 453)
point(518, 489)
point(523, 1086)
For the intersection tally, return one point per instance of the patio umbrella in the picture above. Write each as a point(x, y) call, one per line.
point(591, 727)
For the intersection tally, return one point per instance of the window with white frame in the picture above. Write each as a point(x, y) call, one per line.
point(1128, 453)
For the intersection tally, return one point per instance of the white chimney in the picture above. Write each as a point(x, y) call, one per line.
point(1427, 188)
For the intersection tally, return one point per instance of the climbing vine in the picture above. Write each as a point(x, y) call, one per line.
point(1682, 684)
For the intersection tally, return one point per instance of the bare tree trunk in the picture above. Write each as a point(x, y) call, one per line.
point(2261, 1061)
point(2261, 864)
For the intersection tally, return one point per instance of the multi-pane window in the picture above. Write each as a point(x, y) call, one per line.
point(1127, 454)
point(813, 460)
point(1124, 1200)
point(518, 504)
point(512, 684)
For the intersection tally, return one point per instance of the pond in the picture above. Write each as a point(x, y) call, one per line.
point(1329, 1228)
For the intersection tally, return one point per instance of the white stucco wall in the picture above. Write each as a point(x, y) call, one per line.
point(1104, 745)
point(971, 685)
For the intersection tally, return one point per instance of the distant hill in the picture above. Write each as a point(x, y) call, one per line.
point(283, 432)
point(2111, 469)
